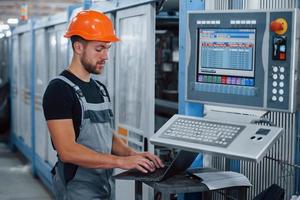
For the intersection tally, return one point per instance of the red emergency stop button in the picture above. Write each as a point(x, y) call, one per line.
point(276, 26)
point(279, 26)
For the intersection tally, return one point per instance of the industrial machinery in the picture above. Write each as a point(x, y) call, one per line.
point(242, 61)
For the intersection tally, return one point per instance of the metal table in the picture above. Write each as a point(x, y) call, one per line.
point(182, 183)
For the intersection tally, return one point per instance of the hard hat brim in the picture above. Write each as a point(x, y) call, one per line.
point(110, 38)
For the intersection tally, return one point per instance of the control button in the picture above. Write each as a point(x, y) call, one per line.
point(282, 54)
point(275, 76)
point(281, 77)
point(207, 22)
point(274, 98)
point(213, 22)
point(248, 21)
point(281, 91)
point(238, 22)
point(279, 26)
point(280, 99)
point(214, 80)
point(274, 91)
point(276, 26)
point(275, 84)
point(200, 78)
point(253, 21)
point(251, 82)
point(228, 80)
point(232, 21)
point(243, 81)
point(223, 79)
point(218, 22)
point(233, 81)
point(281, 69)
point(209, 79)
point(239, 81)
point(243, 22)
point(281, 84)
point(275, 69)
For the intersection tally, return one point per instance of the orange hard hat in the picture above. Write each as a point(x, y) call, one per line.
point(92, 25)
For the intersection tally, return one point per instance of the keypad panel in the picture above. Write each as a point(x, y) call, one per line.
point(203, 132)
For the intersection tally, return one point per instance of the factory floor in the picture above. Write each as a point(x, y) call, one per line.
point(16, 179)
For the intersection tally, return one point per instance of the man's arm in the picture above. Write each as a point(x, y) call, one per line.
point(63, 137)
point(121, 149)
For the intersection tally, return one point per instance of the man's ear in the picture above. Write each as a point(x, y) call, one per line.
point(78, 47)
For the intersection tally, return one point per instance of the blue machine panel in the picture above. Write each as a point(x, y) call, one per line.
point(236, 60)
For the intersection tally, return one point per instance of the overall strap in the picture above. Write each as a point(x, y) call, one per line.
point(103, 90)
point(76, 88)
point(78, 93)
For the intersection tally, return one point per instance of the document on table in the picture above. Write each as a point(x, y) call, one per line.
point(225, 179)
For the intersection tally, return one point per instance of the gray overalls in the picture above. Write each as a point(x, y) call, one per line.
point(95, 133)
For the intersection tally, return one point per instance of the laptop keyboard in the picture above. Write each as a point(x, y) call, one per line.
point(157, 175)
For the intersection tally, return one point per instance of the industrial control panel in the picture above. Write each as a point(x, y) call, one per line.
point(243, 59)
point(234, 140)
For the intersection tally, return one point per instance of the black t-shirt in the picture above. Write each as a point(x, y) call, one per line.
point(60, 102)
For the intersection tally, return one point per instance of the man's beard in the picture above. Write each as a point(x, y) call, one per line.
point(89, 67)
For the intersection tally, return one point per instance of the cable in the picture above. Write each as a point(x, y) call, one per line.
point(282, 162)
point(262, 121)
point(159, 5)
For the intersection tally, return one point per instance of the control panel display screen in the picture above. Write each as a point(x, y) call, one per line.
point(226, 54)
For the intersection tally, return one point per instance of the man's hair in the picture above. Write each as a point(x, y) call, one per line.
point(77, 38)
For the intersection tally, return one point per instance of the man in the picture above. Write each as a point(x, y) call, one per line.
point(79, 118)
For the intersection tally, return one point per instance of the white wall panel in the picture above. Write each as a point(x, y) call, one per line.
point(41, 82)
point(52, 69)
point(61, 46)
point(3, 60)
point(15, 90)
point(25, 87)
point(135, 82)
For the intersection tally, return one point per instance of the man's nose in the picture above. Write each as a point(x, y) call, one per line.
point(105, 54)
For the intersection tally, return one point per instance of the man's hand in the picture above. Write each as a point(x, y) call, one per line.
point(153, 158)
point(144, 162)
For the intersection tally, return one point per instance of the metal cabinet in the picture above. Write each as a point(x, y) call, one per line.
point(134, 94)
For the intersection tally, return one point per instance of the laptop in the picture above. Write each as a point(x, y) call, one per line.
point(180, 163)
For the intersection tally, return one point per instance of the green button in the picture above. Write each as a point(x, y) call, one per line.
point(209, 79)
point(214, 79)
